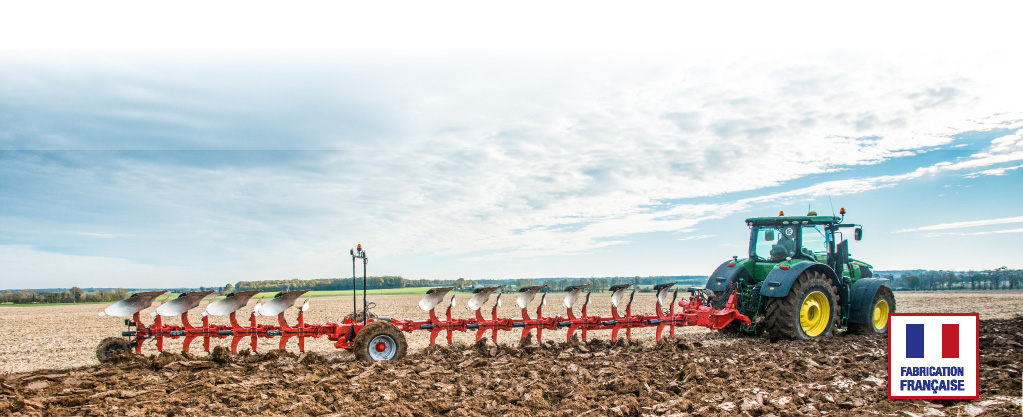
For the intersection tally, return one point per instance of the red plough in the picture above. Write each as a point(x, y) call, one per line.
point(380, 338)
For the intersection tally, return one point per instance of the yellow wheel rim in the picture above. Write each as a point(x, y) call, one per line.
point(815, 313)
point(881, 314)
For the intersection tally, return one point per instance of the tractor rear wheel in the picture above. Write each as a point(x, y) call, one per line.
point(109, 347)
point(809, 311)
point(379, 341)
point(882, 305)
point(720, 298)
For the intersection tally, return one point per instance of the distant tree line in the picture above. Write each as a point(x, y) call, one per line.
point(460, 284)
point(927, 280)
point(917, 280)
point(72, 295)
point(324, 284)
point(91, 295)
point(598, 284)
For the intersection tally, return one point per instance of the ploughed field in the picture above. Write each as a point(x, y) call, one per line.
point(48, 367)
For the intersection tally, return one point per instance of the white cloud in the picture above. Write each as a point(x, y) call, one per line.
point(994, 171)
point(99, 235)
point(531, 25)
point(988, 232)
point(696, 237)
point(477, 157)
point(53, 270)
point(972, 223)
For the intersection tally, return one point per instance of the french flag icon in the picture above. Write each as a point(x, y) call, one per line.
point(915, 339)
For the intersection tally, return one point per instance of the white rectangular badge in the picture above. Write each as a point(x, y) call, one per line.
point(934, 355)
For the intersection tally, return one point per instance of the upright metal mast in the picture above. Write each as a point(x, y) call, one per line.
point(358, 253)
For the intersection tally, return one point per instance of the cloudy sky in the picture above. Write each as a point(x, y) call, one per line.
point(147, 147)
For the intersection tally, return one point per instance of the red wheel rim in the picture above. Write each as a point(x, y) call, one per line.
point(381, 346)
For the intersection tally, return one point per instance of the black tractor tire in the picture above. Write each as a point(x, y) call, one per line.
point(109, 347)
point(379, 341)
point(783, 313)
point(720, 298)
point(883, 294)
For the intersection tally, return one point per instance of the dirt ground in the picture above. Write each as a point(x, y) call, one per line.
point(700, 373)
point(63, 337)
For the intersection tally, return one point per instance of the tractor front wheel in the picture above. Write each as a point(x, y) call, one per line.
point(379, 341)
point(882, 305)
point(809, 311)
point(109, 347)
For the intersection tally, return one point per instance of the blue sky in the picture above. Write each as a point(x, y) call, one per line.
point(451, 147)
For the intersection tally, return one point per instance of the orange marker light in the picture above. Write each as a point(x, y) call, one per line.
point(781, 213)
point(785, 267)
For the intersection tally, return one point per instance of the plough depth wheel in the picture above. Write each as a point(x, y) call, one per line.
point(379, 341)
point(109, 347)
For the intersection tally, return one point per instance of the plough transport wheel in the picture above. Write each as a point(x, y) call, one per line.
point(809, 311)
point(880, 307)
point(379, 341)
point(109, 347)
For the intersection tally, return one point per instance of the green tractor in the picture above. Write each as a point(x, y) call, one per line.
point(799, 281)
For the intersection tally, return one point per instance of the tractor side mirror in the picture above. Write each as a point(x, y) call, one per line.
point(858, 233)
point(769, 235)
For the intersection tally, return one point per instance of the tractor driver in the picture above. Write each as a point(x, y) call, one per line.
point(786, 246)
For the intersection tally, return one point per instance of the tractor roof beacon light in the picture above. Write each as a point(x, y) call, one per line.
point(781, 213)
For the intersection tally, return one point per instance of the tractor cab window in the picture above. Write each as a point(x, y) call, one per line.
point(775, 243)
point(815, 242)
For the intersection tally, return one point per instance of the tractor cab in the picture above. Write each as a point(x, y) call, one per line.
point(811, 238)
